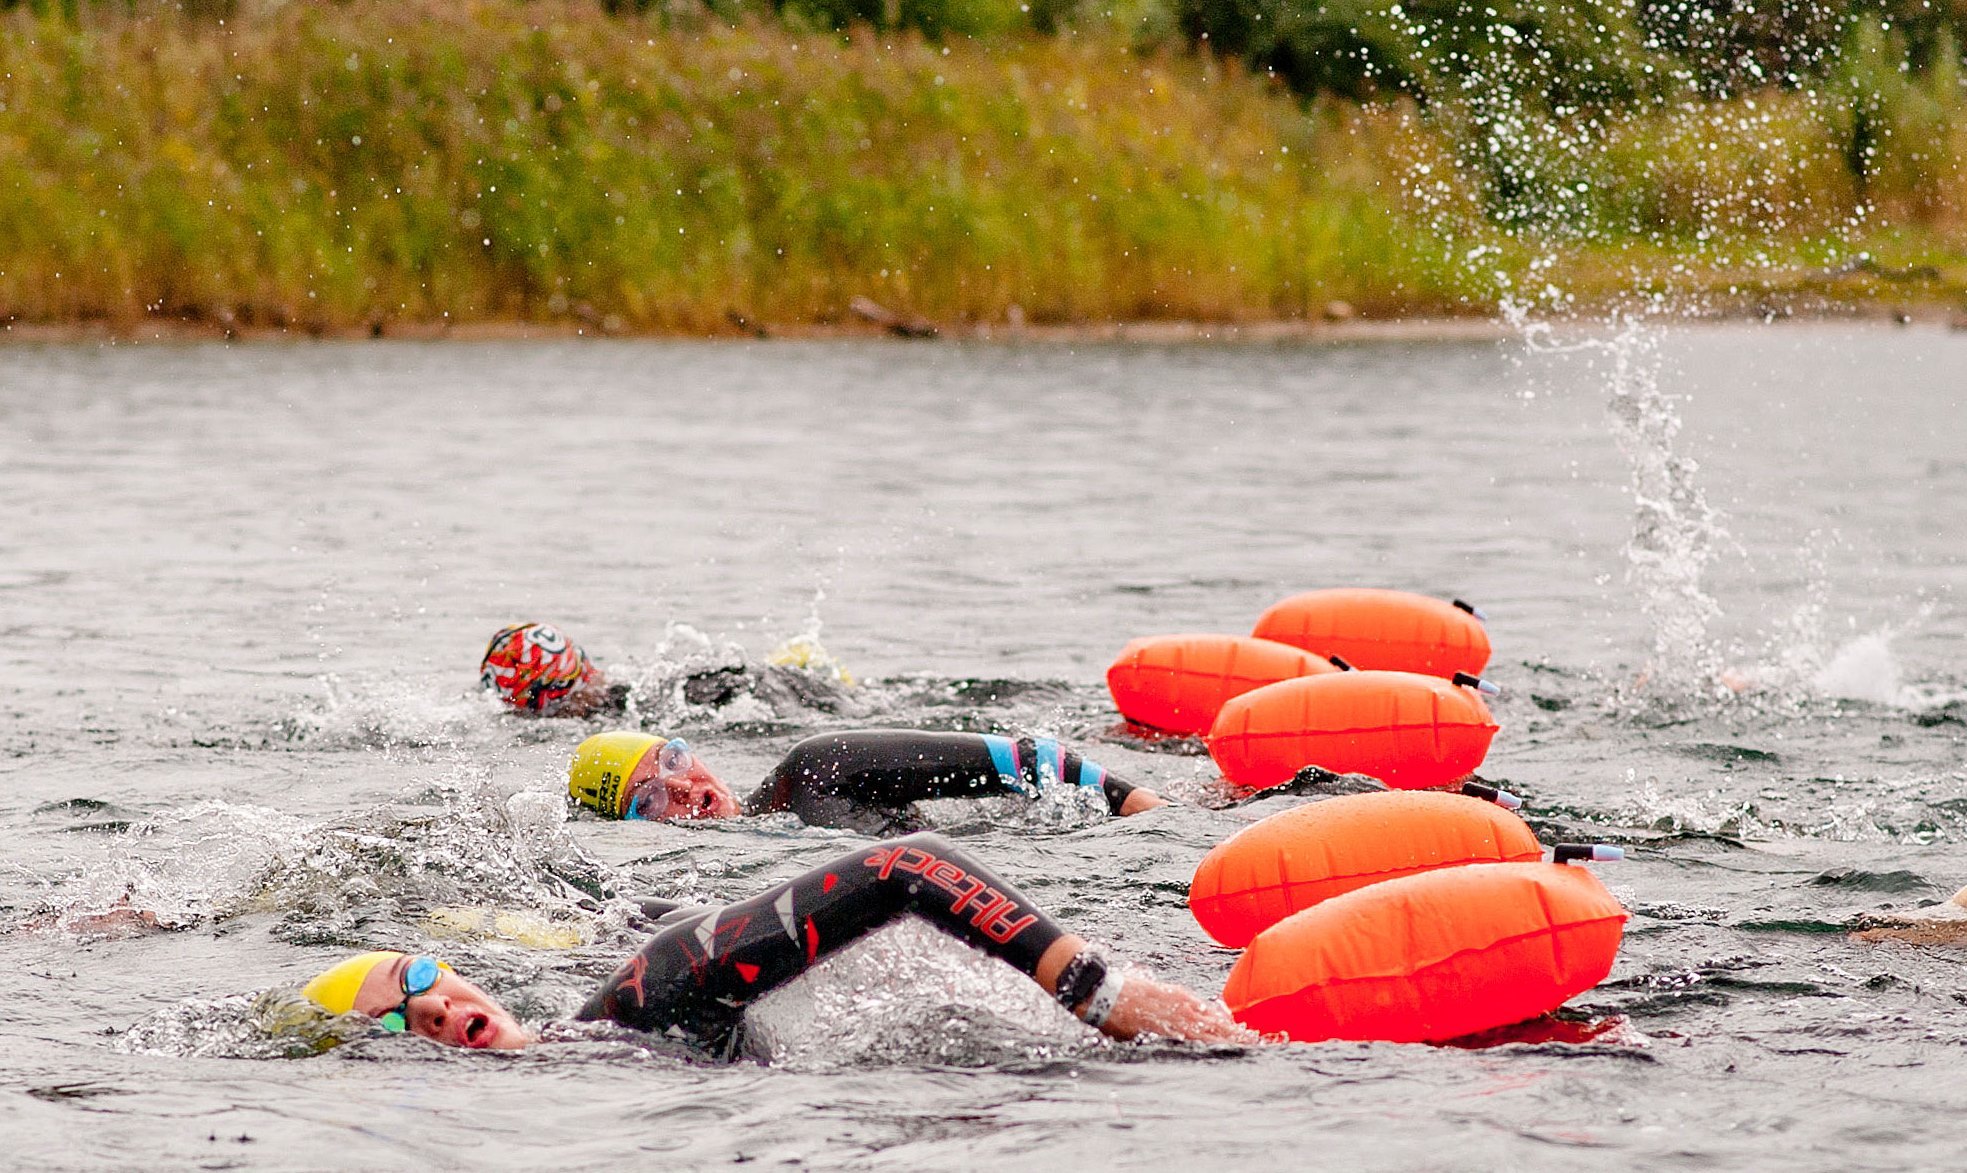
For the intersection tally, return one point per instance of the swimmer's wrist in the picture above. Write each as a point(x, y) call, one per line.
point(1089, 987)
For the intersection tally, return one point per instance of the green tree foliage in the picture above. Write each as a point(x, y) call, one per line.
point(1588, 51)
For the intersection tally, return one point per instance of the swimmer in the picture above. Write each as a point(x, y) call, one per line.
point(535, 669)
point(1939, 924)
point(863, 781)
point(694, 979)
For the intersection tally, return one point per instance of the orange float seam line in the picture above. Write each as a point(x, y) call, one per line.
point(1272, 734)
point(1458, 954)
point(1412, 869)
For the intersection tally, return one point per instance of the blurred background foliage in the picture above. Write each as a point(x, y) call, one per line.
point(687, 164)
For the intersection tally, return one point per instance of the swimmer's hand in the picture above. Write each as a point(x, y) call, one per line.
point(1141, 799)
point(1147, 1006)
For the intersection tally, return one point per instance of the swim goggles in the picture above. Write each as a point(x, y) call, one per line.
point(419, 977)
point(651, 799)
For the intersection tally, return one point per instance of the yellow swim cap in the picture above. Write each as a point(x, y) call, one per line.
point(334, 989)
point(597, 778)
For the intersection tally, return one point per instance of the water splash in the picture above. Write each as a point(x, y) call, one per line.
point(390, 713)
point(1803, 659)
point(273, 1024)
point(910, 994)
point(696, 679)
point(359, 880)
point(1675, 532)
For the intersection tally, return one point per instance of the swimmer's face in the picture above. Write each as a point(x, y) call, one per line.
point(453, 1012)
point(694, 794)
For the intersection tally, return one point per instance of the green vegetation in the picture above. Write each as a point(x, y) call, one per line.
point(364, 164)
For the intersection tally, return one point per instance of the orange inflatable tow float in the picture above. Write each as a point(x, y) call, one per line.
point(1391, 630)
point(1178, 683)
point(1431, 957)
point(1309, 854)
point(1410, 731)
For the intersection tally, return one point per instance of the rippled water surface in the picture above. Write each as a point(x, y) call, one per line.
point(243, 591)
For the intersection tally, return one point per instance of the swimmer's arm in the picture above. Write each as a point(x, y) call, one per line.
point(1147, 1006)
point(697, 974)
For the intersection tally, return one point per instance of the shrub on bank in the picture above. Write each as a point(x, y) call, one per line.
point(335, 163)
point(329, 165)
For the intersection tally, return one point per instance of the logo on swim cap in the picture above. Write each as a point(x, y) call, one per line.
point(597, 777)
point(533, 666)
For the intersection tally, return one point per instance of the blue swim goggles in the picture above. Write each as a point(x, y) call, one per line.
point(419, 977)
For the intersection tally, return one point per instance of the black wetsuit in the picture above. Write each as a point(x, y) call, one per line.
point(865, 781)
point(695, 977)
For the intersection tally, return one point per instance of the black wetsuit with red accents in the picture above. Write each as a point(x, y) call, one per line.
point(695, 977)
point(865, 781)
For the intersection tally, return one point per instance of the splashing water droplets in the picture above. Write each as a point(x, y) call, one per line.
point(1675, 532)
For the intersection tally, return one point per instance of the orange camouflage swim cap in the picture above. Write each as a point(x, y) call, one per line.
point(534, 666)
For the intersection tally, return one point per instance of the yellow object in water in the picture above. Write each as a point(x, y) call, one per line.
point(531, 929)
point(597, 777)
point(334, 988)
point(805, 652)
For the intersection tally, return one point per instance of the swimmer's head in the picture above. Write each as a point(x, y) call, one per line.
point(418, 994)
point(627, 775)
point(535, 668)
point(597, 777)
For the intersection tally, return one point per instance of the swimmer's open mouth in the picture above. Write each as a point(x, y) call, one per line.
point(477, 1031)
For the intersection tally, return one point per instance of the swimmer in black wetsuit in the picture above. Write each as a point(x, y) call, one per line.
point(535, 669)
point(694, 979)
point(863, 781)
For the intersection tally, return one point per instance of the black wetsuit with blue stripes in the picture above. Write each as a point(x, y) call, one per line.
point(705, 965)
point(866, 781)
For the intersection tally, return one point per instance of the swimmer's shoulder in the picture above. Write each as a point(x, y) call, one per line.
point(1939, 924)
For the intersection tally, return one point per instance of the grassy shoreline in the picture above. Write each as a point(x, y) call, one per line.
point(406, 169)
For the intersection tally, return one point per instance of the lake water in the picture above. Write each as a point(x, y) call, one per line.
point(243, 592)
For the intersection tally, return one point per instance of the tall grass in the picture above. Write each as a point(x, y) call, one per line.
point(327, 166)
point(333, 165)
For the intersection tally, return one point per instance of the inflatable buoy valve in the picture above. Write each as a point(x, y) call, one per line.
point(1587, 853)
point(1339, 663)
point(1480, 685)
point(1495, 794)
point(1472, 609)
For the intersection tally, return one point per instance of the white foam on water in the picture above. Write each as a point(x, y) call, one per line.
point(391, 712)
point(910, 994)
point(1802, 659)
point(1863, 670)
point(213, 860)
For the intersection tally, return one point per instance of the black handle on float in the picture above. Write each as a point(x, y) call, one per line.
point(1336, 662)
point(1495, 794)
point(1475, 682)
point(1474, 610)
point(1586, 853)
